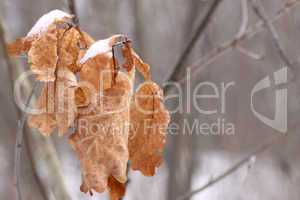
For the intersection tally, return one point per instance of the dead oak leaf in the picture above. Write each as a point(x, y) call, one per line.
point(101, 139)
point(98, 64)
point(149, 121)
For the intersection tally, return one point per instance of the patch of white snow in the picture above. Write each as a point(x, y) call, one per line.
point(99, 47)
point(46, 20)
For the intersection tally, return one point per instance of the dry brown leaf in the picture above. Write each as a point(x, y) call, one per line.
point(101, 103)
point(45, 121)
point(20, 46)
point(133, 60)
point(98, 72)
point(141, 66)
point(149, 120)
point(54, 57)
point(69, 50)
point(99, 68)
point(72, 45)
point(102, 138)
point(43, 56)
point(58, 46)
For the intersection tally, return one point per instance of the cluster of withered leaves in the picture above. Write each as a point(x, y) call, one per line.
point(113, 125)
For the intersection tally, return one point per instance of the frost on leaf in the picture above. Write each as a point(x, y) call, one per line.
point(149, 120)
point(102, 138)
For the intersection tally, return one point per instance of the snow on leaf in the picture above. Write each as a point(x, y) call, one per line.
point(100, 47)
point(149, 120)
point(59, 45)
point(46, 20)
point(98, 64)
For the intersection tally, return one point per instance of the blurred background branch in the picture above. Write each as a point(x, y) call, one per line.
point(41, 150)
point(260, 11)
point(260, 149)
point(199, 65)
point(179, 68)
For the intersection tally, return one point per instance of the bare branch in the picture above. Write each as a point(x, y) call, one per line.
point(214, 54)
point(245, 19)
point(199, 32)
point(242, 31)
point(248, 53)
point(260, 149)
point(260, 11)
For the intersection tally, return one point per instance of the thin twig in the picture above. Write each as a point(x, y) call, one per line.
point(18, 147)
point(260, 149)
point(243, 30)
point(245, 19)
point(6, 56)
point(260, 12)
point(214, 54)
point(19, 144)
point(72, 9)
point(190, 45)
point(248, 53)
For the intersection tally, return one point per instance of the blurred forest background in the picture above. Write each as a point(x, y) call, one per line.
point(161, 30)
